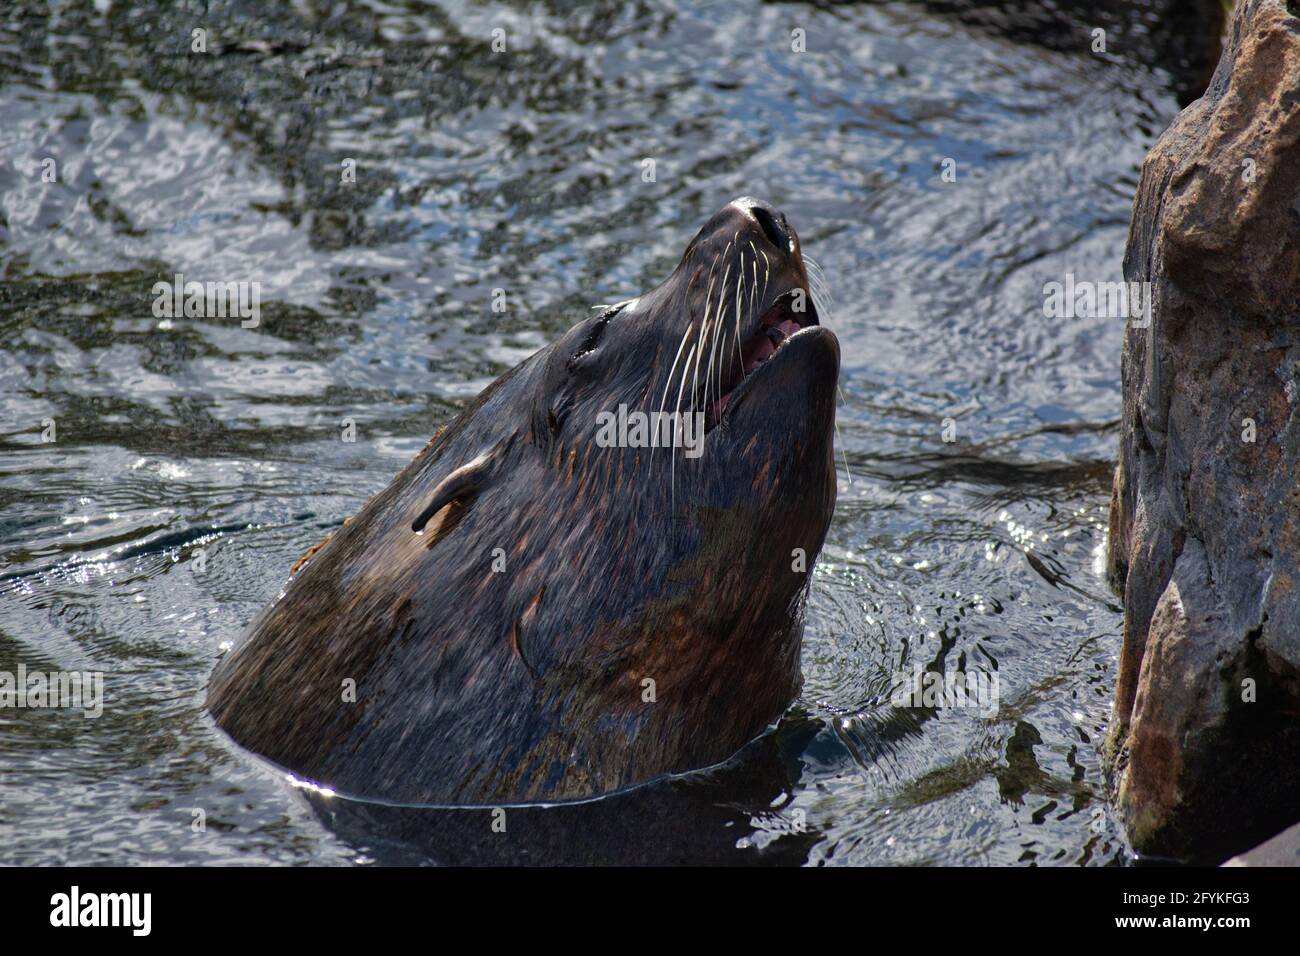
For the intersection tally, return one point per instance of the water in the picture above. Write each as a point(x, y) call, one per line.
point(524, 172)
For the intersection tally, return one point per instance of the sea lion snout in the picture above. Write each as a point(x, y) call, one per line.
point(747, 221)
point(742, 291)
point(770, 219)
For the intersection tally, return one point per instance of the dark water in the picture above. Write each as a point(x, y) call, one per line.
point(524, 172)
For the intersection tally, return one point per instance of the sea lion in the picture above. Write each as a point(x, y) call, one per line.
point(544, 607)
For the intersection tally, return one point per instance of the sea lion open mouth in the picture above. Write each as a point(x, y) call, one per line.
point(594, 576)
point(775, 328)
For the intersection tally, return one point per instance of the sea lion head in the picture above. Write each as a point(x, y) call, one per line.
point(594, 576)
point(728, 352)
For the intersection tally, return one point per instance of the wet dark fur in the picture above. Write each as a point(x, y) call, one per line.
point(481, 687)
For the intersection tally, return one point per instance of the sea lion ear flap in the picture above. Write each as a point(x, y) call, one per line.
point(461, 485)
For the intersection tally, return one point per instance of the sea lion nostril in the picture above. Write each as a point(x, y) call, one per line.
point(773, 225)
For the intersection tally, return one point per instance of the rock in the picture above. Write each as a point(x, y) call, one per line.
point(1282, 850)
point(1204, 742)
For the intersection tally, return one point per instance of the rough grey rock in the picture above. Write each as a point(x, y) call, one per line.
point(1205, 511)
point(1282, 850)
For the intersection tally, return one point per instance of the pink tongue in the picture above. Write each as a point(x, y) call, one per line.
point(762, 352)
point(766, 348)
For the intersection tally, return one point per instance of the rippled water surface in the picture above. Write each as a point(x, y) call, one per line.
point(524, 172)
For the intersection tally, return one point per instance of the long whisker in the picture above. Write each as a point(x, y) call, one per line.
point(740, 282)
point(753, 295)
point(695, 374)
point(687, 333)
point(818, 280)
point(663, 401)
point(713, 346)
point(753, 289)
point(672, 452)
point(824, 306)
point(712, 329)
point(714, 353)
point(824, 301)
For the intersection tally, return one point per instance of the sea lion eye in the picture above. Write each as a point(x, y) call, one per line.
point(591, 341)
point(597, 332)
